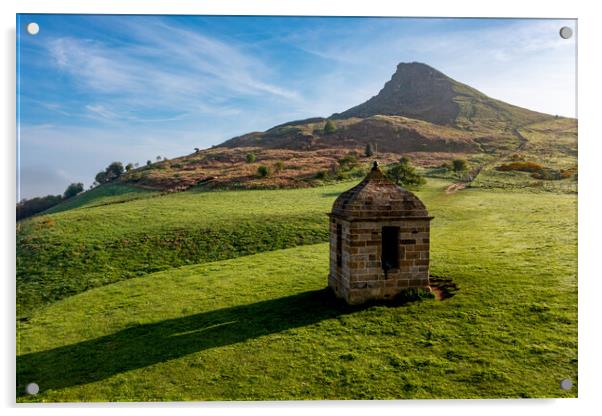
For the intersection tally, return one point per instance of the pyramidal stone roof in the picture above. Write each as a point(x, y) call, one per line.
point(378, 198)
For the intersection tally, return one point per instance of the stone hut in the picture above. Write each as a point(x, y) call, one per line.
point(379, 241)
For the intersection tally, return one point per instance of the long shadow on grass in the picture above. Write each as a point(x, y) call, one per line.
point(148, 344)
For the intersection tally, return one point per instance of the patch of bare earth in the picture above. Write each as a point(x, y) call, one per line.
point(442, 287)
point(454, 187)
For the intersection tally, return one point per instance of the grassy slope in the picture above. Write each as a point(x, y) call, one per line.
point(479, 110)
point(111, 193)
point(553, 144)
point(65, 253)
point(259, 327)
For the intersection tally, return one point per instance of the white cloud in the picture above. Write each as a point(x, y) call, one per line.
point(167, 89)
point(523, 62)
point(165, 68)
point(102, 111)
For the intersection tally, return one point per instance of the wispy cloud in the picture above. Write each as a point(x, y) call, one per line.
point(524, 62)
point(164, 68)
point(100, 88)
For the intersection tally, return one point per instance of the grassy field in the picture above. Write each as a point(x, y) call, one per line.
point(262, 326)
point(65, 253)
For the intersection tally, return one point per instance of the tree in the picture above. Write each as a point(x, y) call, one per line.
point(101, 177)
point(369, 151)
point(330, 127)
point(28, 207)
point(403, 173)
point(114, 170)
point(73, 189)
point(251, 157)
point(129, 167)
point(263, 171)
point(459, 165)
point(196, 150)
point(158, 157)
point(148, 163)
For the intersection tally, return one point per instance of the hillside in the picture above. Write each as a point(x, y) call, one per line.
point(420, 113)
point(152, 325)
point(129, 294)
point(64, 253)
point(419, 91)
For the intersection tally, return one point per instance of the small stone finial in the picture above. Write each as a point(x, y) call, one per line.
point(375, 165)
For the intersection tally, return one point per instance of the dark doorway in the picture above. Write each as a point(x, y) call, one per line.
point(390, 248)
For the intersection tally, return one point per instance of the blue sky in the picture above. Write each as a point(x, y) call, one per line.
point(95, 89)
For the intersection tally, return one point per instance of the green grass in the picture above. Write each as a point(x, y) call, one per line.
point(111, 193)
point(262, 327)
point(68, 252)
point(552, 144)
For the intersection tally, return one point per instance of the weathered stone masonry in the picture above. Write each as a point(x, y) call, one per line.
point(379, 241)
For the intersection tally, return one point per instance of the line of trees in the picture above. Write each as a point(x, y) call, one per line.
point(28, 207)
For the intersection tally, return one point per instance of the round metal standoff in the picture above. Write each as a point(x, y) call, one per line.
point(566, 384)
point(32, 389)
point(566, 32)
point(33, 28)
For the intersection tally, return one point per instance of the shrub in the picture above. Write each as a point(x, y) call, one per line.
point(73, 189)
point(251, 157)
point(554, 175)
point(323, 174)
point(330, 127)
point(521, 167)
point(446, 166)
point(567, 173)
point(403, 173)
point(128, 167)
point(538, 171)
point(459, 165)
point(263, 171)
point(348, 162)
point(278, 166)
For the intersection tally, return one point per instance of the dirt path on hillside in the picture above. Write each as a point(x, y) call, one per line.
point(454, 187)
point(472, 175)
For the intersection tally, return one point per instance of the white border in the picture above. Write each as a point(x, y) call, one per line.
point(590, 152)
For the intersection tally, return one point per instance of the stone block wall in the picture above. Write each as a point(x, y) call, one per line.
point(360, 276)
